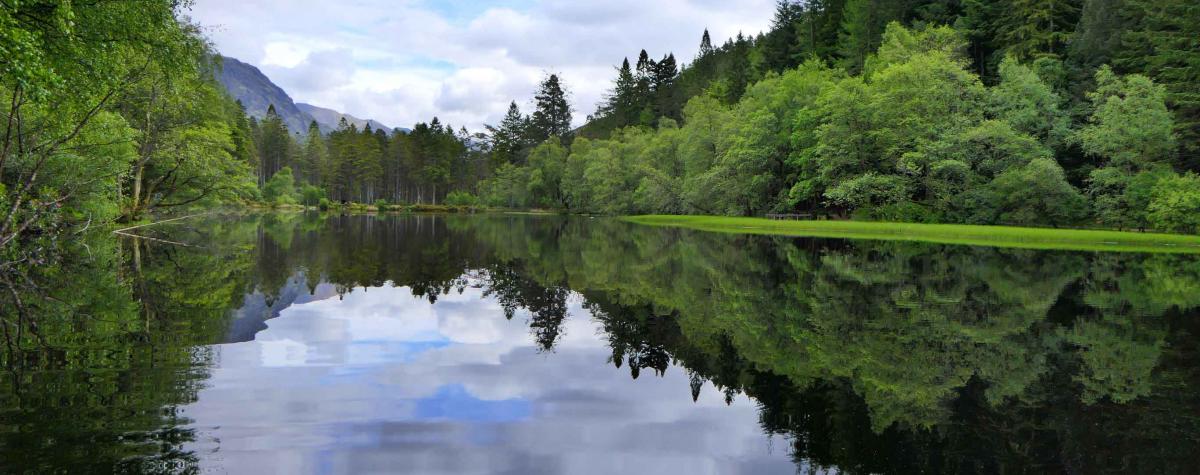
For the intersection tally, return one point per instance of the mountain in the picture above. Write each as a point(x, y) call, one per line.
point(328, 119)
point(248, 84)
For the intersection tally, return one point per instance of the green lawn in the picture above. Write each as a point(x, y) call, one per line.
point(994, 236)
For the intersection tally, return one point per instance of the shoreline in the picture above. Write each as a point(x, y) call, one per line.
point(957, 234)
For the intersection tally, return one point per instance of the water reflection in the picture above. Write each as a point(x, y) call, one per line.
point(540, 344)
point(380, 380)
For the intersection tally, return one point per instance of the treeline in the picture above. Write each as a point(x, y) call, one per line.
point(1073, 112)
point(1049, 113)
point(430, 164)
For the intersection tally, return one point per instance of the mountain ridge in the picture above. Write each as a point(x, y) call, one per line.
point(329, 118)
point(248, 84)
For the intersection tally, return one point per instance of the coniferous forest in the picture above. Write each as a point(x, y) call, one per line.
point(1073, 113)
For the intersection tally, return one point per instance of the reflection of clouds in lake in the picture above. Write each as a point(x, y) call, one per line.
point(384, 381)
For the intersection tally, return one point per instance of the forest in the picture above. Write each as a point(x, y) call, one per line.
point(1081, 113)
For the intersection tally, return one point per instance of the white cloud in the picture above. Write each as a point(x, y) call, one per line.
point(338, 385)
point(408, 61)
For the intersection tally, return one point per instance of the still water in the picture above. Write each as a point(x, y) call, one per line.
point(518, 344)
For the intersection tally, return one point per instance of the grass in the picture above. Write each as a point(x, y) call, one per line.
point(992, 236)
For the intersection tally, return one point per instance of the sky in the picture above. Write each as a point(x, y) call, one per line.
point(382, 381)
point(405, 61)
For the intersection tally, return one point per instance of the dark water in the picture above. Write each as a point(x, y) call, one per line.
point(508, 344)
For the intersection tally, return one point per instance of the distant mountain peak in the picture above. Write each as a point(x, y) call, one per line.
point(248, 84)
point(329, 119)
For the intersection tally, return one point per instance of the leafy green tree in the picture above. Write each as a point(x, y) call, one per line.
point(1131, 130)
point(64, 66)
point(1130, 126)
point(701, 142)
point(461, 198)
point(507, 187)
point(753, 174)
point(1028, 104)
point(1175, 204)
point(185, 141)
point(1036, 193)
point(281, 188)
point(311, 195)
point(547, 163)
point(1160, 43)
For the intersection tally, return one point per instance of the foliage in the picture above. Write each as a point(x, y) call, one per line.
point(1130, 126)
point(311, 195)
point(281, 188)
point(462, 199)
point(1175, 204)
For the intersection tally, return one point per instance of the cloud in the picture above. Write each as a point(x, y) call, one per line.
point(382, 381)
point(463, 61)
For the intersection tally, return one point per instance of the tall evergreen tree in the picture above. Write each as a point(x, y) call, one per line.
point(663, 84)
point(706, 47)
point(621, 106)
point(863, 23)
point(781, 46)
point(1030, 29)
point(314, 155)
point(552, 115)
point(275, 147)
point(508, 139)
point(1164, 43)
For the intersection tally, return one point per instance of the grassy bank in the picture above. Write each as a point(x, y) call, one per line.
point(993, 236)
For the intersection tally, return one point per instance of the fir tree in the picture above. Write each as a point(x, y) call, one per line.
point(552, 116)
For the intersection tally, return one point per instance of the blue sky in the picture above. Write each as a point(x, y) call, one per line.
point(401, 62)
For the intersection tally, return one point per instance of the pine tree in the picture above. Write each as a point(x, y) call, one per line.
point(313, 158)
point(508, 139)
point(819, 28)
point(663, 84)
point(275, 147)
point(706, 47)
point(863, 22)
point(781, 46)
point(243, 137)
point(1164, 43)
point(1030, 29)
point(552, 116)
point(621, 106)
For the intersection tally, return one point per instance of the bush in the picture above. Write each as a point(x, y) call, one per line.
point(325, 204)
point(461, 198)
point(312, 195)
point(381, 204)
point(281, 188)
point(1175, 204)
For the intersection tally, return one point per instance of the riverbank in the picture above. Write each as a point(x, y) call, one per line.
point(991, 236)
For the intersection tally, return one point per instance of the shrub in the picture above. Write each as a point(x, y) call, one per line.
point(381, 204)
point(312, 195)
point(1175, 204)
point(281, 188)
point(461, 198)
point(325, 204)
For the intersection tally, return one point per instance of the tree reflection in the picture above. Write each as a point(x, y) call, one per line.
point(870, 357)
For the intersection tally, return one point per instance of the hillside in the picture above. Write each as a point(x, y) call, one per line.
point(328, 119)
point(248, 84)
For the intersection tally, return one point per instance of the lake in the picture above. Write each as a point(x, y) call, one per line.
point(300, 343)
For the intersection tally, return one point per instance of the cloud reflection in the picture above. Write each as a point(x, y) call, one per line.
point(384, 381)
